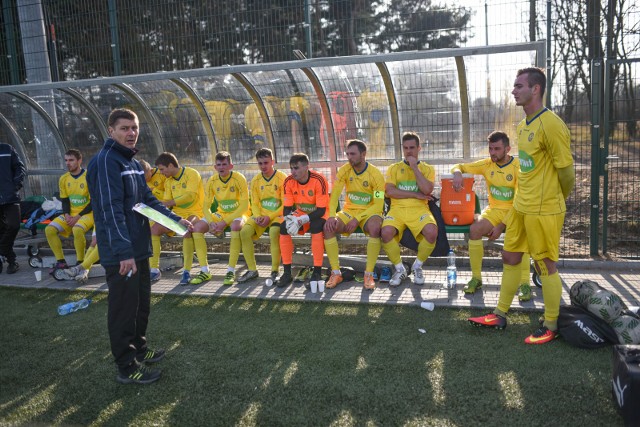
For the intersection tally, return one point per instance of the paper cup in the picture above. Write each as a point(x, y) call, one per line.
point(268, 282)
point(38, 274)
point(320, 285)
point(427, 305)
point(314, 286)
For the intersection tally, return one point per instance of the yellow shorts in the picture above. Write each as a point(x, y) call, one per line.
point(494, 216)
point(346, 217)
point(222, 216)
point(85, 222)
point(259, 231)
point(539, 235)
point(411, 218)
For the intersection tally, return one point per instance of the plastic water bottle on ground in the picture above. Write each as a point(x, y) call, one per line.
point(70, 307)
point(452, 272)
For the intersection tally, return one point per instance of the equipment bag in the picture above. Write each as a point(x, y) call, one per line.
point(582, 329)
point(442, 243)
point(625, 385)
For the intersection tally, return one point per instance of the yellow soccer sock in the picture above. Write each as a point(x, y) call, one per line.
point(525, 268)
point(373, 250)
point(79, 242)
point(91, 257)
point(551, 294)
point(393, 251)
point(331, 247)
point(187, 252)
point(424, 250)
point(154, 261)
point(274, 238)
point(201, 250)
point(508, 286)
point(476, 254)
point(246, 239)
point(54, 241)
point(234, 249)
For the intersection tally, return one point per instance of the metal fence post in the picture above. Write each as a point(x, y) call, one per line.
point(596, 82)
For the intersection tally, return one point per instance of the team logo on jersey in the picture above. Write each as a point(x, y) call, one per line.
point(350, 179)
point(232, 189)
point(82, 186)
point(310, 193)
point(365, 184)
point(184, 185)
point(509, 177)
point(275, 186)
point(401, 170)
point(492, 172)
point(531, 135)
point(217, 189)
point(262, 188)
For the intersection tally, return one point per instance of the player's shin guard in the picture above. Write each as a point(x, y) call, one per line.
point(424, 249)
point(154, 262)
point(551, 294)
point(187, 252)
point(508, 286)
point(393, 251)
point(274, 239)
point(331, 246)
point(525, 268)
point(234, 249)
point(476, 254)
point(286, 248)
point(201, 250)
point(91, 257)
point(246, 239)
point(317, 249)
point(373, 250)
point(79, 242)
point(54, 241)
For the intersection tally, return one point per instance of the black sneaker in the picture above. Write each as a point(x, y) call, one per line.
point(142, 375)
point(248, 275)
point(150, 356)
point(285, 280)
point(1, 264)
point(12, 267)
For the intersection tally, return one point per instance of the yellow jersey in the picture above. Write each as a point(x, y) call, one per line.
point(502, 180)
point(544, 147)
point(187, 191)
point(231, 194)
point(75, 189)
point(402, 176)
point(156, 183)
point(364, 191)
point(267, 197)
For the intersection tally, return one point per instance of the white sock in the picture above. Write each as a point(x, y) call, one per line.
point(417, 264)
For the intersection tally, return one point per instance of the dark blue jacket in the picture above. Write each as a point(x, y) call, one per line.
point(116, 183)
point(12, 174)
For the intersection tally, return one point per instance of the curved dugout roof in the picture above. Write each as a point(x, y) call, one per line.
point(311, 106)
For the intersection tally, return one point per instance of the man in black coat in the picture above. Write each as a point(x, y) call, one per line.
point(12, 173)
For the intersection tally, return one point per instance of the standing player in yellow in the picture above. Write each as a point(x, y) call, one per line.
point(266, 211)
point(184, 195)
point(155, 180)
point(364, 202)
point(500, 173)
point(409, 184)
point(229, 190)
point(546, 179)
point(77, 217)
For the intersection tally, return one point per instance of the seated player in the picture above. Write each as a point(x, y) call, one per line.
point(364, 202)
point(306, 199)
point(77, 217)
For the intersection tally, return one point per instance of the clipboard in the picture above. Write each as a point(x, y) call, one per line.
point(160, 218)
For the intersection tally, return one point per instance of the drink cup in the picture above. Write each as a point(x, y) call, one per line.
point(320, 285)
point(268, 282)
point(427, 305)
point(314, 286)
point(38, 274)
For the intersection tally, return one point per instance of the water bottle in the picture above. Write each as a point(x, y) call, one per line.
point(452, 272)
point(70, 307)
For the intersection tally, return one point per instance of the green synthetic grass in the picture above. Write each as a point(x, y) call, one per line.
point(251, 362)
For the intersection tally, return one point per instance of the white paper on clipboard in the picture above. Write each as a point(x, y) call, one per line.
point(161, 219)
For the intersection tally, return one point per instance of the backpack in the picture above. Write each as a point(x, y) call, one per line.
point(442, 243)
point(581, 328)
point(37, 216)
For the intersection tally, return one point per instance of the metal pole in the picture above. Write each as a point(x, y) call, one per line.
point(115, 39)
point(11, 42)
point(307, 28)
point(549, 79)
point(596, 91)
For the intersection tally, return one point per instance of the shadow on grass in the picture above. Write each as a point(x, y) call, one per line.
point(237, 361)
